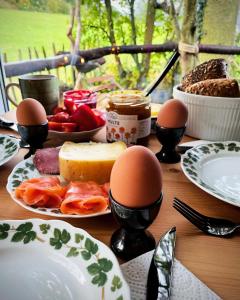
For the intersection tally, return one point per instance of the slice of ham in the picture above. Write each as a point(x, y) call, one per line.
point(46, 161)
point(85, 198)
point(41, 192)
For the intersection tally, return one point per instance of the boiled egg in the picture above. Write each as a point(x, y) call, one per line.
point(31, 112)
point(136, 178)
point(173, 114)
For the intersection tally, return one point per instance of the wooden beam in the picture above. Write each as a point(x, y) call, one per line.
point(82, 57)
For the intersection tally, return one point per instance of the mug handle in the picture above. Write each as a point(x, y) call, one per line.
point(8, 97)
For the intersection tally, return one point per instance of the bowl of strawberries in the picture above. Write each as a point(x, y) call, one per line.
point(75, 121)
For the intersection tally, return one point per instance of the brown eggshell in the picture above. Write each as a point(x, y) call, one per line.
point(136, 178)
point(30, 112)
point(173, 114)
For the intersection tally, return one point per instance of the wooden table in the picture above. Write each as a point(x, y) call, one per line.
point(215, 261)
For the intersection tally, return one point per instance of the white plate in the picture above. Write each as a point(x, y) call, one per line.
point(9, 147)
point(215, 168)
point(52, 260)
point(25, 170)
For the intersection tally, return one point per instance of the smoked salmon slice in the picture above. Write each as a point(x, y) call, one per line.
point(85, 198)
point(41, 192)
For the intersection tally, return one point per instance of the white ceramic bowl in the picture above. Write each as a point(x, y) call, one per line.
point(211, 118)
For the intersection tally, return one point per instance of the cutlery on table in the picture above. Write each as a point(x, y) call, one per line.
point(183, 147)
point(6, 124)
point(213, 226)
point(160, 271)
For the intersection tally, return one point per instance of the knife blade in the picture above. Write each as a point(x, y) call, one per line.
point(6, 124)
point(159, 274)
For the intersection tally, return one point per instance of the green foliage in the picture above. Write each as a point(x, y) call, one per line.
point(44, 228)
point(53, 6)
point(24, 233)
point(4, 228)
point(98, 270)
point(43, 29)
point(60, 238)
point(116, 283)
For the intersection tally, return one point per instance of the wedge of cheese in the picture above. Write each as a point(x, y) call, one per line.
point(88, 161)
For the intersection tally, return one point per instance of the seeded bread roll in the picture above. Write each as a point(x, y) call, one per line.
point(212, 69)
point(215, 87)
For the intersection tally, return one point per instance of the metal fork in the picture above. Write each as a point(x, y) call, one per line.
point(213, 226)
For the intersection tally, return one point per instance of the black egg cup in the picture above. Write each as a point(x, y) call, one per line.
point(131, 239)
point(34, 135)
point(169, 138)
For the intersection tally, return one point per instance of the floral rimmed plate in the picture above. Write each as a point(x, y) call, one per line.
point(25, 170)
point(9, 146)
point(53, 260)
point(215, 168)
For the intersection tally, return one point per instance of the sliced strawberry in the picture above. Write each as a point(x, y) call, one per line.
point(85, 118)
point(61, 117)
point(54, 126)
point(70, 105)
point(69, 127)
point(58, 109)
point(99, 117)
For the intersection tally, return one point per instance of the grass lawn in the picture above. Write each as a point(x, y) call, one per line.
point(23, 29)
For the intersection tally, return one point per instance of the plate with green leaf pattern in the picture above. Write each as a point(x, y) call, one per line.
point(215, 168)
point(46, 259)
point(9, 147)
point(25, 170)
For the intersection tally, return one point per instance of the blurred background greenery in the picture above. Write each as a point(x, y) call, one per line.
point(38, 28)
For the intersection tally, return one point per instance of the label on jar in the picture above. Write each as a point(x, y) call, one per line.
point(126, 128)
point(144, 127)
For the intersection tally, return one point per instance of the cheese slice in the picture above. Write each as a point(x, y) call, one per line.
point(88, 161)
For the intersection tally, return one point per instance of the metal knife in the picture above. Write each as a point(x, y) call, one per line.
point(182, 148)
point(159, 274)
point(6, 124)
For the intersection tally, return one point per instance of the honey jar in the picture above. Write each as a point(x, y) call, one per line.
point(128, 117)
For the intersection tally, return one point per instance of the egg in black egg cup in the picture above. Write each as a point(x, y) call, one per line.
point(34, 135)
point(131, 239)
point(169, 138)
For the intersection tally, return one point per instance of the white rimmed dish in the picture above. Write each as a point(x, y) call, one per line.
point(9, 147)
point(43, 259)
point(26, 170)
point(215, 168)
point(211, 118)
point(57, 138)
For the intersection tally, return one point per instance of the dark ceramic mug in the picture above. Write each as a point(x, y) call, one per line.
point(44, 88)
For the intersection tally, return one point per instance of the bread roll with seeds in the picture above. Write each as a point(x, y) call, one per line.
point(212, 69)
point(215, 87)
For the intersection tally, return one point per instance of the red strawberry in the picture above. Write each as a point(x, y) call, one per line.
point(85, 118)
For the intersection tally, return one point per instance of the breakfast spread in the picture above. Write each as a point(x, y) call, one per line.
point(212, 69)
point(128, 117)
point(221, 87)
point(82, 187)
point(75, 98)
point(30, 112)
point(209, 79)
point(173, 114)
point(88, 161)
point(84, 198)
point(41, 192)
point(141, 178)
point(75, 198)
point(75, 119)
point(46, 161)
